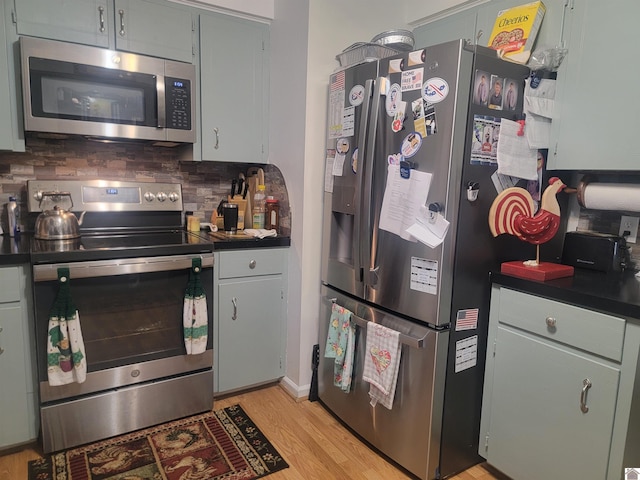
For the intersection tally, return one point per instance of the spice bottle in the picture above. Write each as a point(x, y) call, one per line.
point(272, 217)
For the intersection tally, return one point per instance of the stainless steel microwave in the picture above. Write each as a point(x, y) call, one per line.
point(82, 90)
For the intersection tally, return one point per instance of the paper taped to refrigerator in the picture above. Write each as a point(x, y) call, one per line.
point(424, 275)
point(402, 200)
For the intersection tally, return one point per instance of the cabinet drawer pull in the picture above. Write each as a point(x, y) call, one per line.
point(234, 300)
point(217, 145)
point(1, 349)
point(551, 322)
point(252, 264)
point(101, 10)
point(122, 32)
point(586, 385)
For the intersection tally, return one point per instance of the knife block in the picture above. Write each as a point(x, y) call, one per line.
point(245, 217)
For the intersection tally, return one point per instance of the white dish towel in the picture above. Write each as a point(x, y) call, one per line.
point(382, 359)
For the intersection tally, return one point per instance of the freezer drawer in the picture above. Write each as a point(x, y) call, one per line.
point(409, 433)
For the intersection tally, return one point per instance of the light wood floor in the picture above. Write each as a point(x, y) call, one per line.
point(314, 444)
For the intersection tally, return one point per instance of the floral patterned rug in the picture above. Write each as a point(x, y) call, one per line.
point(215, 445)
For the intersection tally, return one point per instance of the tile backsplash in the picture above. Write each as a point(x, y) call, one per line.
point(204, 184)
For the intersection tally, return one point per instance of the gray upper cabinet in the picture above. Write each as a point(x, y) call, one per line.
point(139, 26)
point(234, 89)
point(594, 125)
point(11, 134)
point(475, 24)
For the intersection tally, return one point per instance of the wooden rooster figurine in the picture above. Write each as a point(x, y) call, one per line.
point(512, 212)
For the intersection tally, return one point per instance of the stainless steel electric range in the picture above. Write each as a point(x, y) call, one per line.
point(128, 272)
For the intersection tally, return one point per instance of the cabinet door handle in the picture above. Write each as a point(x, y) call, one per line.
point(586, 385)
point(234, 300)
point(1, 349)
point(217, 145)
point(122, 32)
point(101, 10)
point(252, 264)
point(551, 322)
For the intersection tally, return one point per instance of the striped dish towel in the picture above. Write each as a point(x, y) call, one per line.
point(382, 358)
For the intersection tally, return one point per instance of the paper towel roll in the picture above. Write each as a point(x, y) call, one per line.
point(610, 196)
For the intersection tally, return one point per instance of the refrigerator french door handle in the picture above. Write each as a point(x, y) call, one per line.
point(362, 150)
point(408, 340)
point(367, 244)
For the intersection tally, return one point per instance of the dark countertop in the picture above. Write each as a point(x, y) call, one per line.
point(225, 241)
point(613, 293)
point(17, 251)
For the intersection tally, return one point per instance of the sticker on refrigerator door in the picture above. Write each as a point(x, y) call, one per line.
point(411, 144)
point(394, 97)
point(467, 319)
point(354, 160)
point(342, 146)
point(417, 57)
point(466, 353)
point(336, 104)
point(435, 90)
point(348, 121)
point(424, 275)
point(356, 95)
point(396, 65)
point(412, 79)
point(398, 119)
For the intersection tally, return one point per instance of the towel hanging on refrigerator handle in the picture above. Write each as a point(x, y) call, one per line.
point(66, 359)
point(195, 320)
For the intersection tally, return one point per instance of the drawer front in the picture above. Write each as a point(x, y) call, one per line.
point(578, 327)
point(10, 284)
point(249, 263)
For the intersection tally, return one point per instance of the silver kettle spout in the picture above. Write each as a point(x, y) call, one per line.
point(81, 217)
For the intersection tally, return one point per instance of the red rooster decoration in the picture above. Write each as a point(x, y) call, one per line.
point(512, 212)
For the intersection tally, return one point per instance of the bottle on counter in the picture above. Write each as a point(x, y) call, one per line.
point(13, 213)
point(272, 218)
point(259, 207)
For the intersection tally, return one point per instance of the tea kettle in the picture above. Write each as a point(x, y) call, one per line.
point(57, 224)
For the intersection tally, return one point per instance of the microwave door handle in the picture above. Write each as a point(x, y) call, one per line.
point(366, 226)
point(161, 99)
point(365, 116)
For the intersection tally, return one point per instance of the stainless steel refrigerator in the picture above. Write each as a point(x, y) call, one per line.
point(436, 296)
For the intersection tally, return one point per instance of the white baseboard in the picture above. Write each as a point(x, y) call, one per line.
point(299, 393)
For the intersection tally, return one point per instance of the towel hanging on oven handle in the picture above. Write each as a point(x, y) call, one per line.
point(194, 315)
point(66, 359)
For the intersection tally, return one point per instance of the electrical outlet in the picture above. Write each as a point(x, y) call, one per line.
point(629, 224)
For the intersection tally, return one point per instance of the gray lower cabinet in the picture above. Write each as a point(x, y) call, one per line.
point(17, 377)
point(138, 26)
point(559, 390)
point(234, 89)
point(250, 317)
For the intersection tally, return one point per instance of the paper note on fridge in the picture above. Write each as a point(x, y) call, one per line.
point(402, 200)
point(429, 228)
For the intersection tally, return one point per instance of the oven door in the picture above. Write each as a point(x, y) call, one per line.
point(130, 313)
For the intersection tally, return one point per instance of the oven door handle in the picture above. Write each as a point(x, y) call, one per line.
point(125, 266)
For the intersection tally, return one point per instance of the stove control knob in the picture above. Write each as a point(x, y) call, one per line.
point(149, 197)
point(173, 196)
point(161, 196)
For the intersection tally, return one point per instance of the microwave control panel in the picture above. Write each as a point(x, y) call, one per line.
point(178, 103)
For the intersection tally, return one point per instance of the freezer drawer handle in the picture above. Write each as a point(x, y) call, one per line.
point(586, 385)
point(404, 339)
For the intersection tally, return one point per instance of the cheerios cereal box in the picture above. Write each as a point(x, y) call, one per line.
point(515, 31)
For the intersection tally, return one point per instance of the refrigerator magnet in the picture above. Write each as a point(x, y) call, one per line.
point(356, 95)
point(435, 90)
point(417, 57)
point(394, 97)
point(354, 160)
point(411, 144)
point(342, 146)
point(395, 65)
point(412, 79)
point(398, 117)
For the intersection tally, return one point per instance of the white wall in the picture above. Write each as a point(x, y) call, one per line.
point(306, 35)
